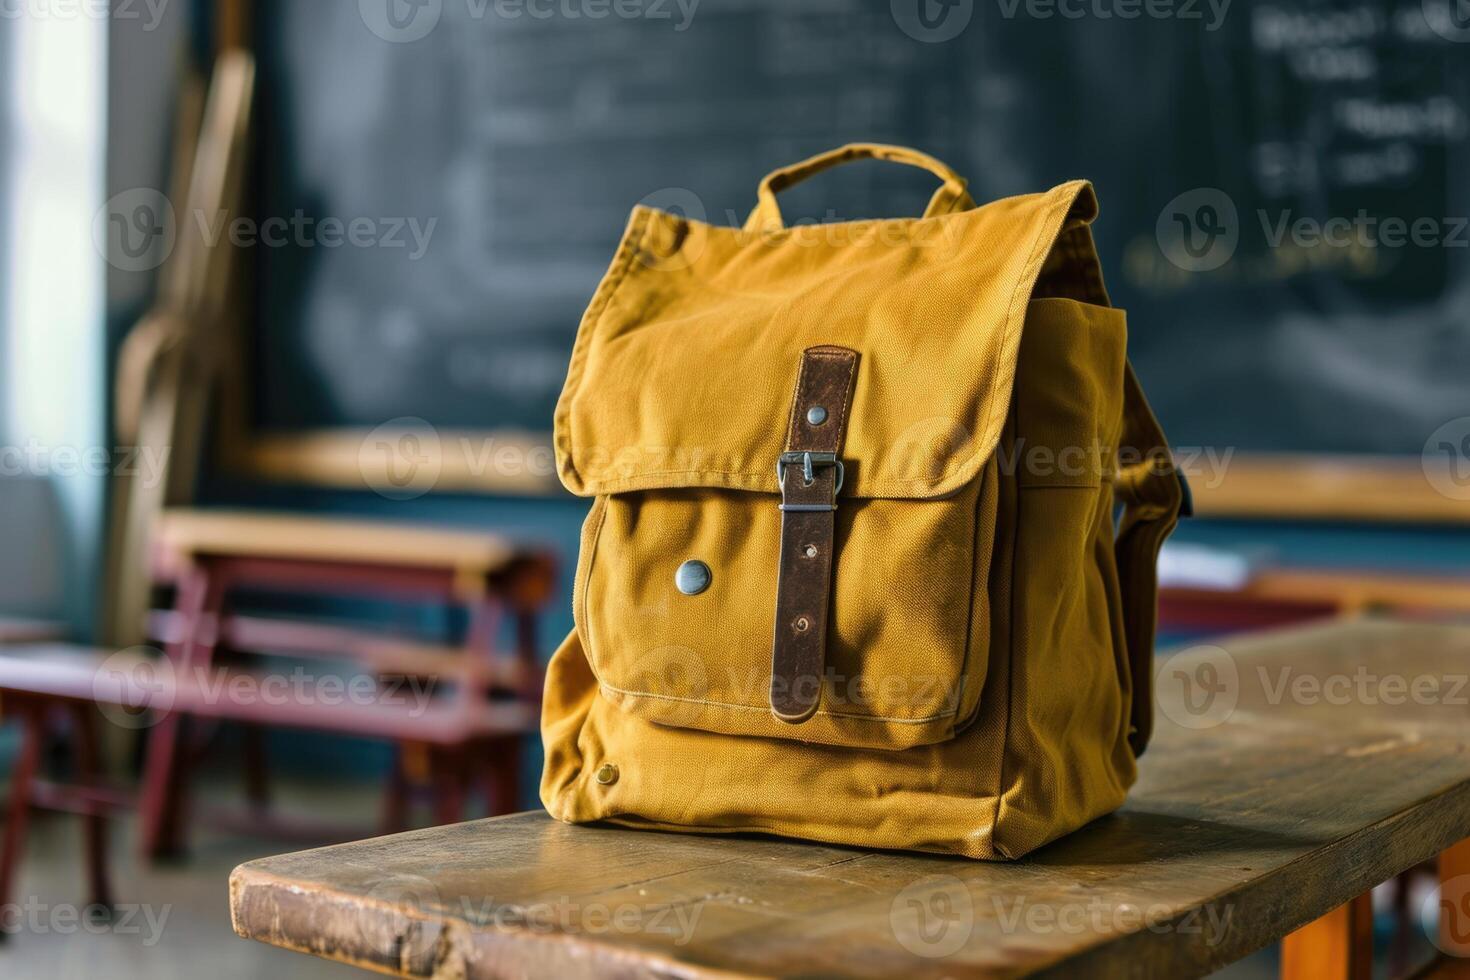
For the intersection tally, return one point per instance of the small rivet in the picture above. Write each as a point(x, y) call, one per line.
point(810, 551)
point(607, 775)
point(693, 577)
point(816, 415)
point(802, 624)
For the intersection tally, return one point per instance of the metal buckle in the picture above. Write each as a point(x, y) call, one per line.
point(809, 462)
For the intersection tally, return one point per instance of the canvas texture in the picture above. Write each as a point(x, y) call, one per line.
point(987, 683)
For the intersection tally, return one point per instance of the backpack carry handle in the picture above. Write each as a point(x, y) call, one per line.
point(950, 197)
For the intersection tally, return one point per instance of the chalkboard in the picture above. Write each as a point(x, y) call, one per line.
point(517, 134)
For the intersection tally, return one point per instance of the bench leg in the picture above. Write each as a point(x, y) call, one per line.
point(22, 778)
point(395, 794)
point(94, 823)
point(1338, 946)
point(198, 601)
point(161, 804)
point(502, 776)
point(257, 777)
point(448, 780)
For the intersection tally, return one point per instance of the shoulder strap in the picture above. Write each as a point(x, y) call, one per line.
point(1154, 496)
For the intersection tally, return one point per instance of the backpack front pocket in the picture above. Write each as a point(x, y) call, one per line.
point(908, 628)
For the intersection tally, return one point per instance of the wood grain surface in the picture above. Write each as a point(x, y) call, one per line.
point(1289, 772)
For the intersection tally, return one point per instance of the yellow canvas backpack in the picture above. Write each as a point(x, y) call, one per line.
point(872, 555)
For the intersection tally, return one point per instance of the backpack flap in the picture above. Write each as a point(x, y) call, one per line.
point(791, 433)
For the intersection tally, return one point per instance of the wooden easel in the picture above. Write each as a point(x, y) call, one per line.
point(170, 362)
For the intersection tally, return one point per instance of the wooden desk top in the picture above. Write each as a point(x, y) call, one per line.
point(1328, 759)
point(299, 537)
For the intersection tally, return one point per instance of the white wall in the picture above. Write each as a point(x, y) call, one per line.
point(51, 307)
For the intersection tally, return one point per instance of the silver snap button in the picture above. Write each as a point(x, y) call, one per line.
point(693, 577)
point(816, 415)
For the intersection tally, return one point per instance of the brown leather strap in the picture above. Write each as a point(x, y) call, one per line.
point(810, 472)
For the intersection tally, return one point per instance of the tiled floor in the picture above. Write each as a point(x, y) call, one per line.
point(174, 921)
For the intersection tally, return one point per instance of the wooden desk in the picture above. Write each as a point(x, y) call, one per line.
point(1249, 824)
point(468, 558)
point(1283, 596)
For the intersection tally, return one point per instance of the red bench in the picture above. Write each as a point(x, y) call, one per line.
point(465, 709)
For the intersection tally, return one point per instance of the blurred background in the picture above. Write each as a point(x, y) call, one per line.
point(287, 293)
